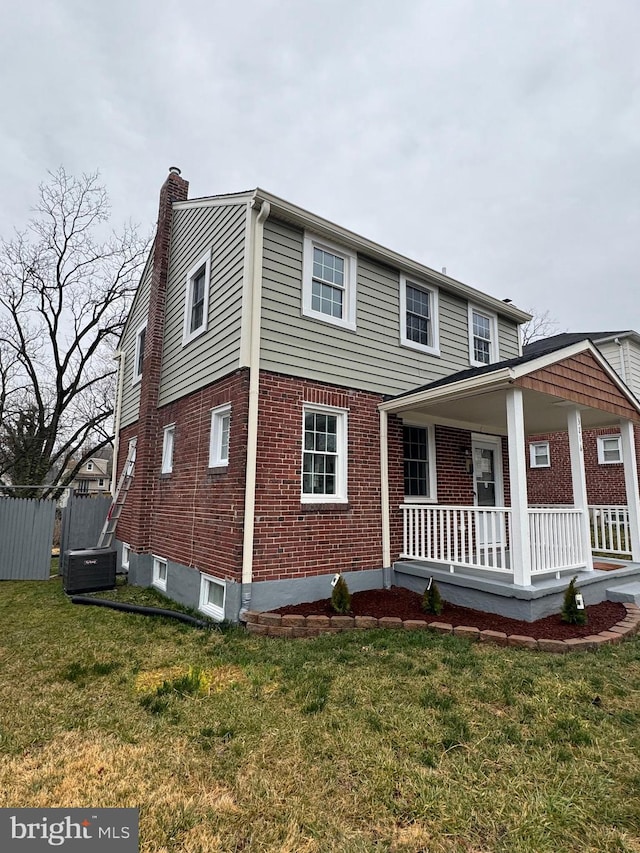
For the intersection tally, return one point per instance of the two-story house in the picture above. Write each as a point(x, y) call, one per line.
point(93, 477)
point(304, 401)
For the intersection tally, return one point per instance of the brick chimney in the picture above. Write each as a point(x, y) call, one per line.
point(174, 189)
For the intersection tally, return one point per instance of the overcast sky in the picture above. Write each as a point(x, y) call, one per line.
point(497, 138)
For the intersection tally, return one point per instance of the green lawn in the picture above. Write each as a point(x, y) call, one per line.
point(367, 741)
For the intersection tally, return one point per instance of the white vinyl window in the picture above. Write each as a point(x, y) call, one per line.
point(168, 440)
point(609, 449)
point(160, 573)
point(219, 436)
point(483, 337)
point(419, 463)
point(329, 282)
point(89, 466)
point(324, 455)
point(539, 454)
point(419, 316)
point(196, 303)
point(138, 358)
point(212, 596)
point(126, 550)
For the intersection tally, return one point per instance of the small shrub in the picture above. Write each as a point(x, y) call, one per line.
point(340, 597)
point(570, 612)
point(432, 600)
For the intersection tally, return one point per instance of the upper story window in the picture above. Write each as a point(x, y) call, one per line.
point(168, 440)
point(419, 463)
point(419, 316)
point(89, 466)
point(539, 454)
point(329, 283)
point(138, 358)
point(609, 449)
point(219, 436)
point(483, 337)
point(324, 455)
point(196, 302)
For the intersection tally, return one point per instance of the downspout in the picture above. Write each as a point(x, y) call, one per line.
point(252, 417)
point(384, 501)
point(119, 357)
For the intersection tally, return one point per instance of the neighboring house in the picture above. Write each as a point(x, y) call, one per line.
point(93, 477)
point(304, 401)
point(549, 478)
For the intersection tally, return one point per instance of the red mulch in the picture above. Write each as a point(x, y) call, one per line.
point(406, 604)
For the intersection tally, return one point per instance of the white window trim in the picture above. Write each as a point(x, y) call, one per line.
point(342, 443)
point(168, 446)
point(187, 334)
point(600, 446)
point(89, 466)
point(205, 606)
point(493, 349)
point(218, 414)
point(157, 581)
point(435, 326)
point(433, 473)
point(533, 459)
point(136, 356)
point(101, 482)
point(126, 552)
point(348, 321)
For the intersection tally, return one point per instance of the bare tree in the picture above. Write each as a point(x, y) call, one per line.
point(66, 284)
point(541, 325)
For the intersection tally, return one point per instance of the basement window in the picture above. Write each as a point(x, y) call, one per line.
point(196, 308)
point(609, 450)
point(126, 550)
point(539, 455)
point(212, 596)
point(160, 573)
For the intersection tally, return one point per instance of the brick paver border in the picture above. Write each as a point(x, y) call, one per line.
point(293, 625)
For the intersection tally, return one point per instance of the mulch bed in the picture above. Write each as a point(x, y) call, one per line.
point(406, 604)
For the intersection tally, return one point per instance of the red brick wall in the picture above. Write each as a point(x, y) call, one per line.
point(195, 515)
point(293, 539)
point(605, 483)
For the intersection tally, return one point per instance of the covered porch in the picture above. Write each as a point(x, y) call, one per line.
point(510, 542)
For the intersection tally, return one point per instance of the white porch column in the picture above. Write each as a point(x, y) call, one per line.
point(384, 491)
point(631, 486)
point(579, 480)
point(520, 537)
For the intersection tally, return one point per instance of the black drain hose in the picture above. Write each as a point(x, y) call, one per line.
point(144, 611)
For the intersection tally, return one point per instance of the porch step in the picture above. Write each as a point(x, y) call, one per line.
point(629, 592)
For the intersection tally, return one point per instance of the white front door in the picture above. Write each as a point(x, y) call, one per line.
point(488, 489)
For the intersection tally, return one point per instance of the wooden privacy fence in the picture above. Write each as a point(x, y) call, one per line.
point(26, 533)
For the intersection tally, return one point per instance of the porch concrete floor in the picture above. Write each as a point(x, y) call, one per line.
point(495, 593)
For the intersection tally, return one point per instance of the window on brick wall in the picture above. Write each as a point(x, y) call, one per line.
point(419, 463)
point(539, 454)
point(196, 302)
point(212, 595)
point(219, 436)
point(419, 316)
point(160, 573)
point(324, 455)
point(138, 357)
point(483, 337)
point(329, 282)
point(168, 440)
point(126, 550)
point(609, 449)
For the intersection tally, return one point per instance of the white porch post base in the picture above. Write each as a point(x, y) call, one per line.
point(631, 487)
point(520, 537)
point(579, 480)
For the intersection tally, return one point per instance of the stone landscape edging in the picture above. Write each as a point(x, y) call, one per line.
point(294, 625)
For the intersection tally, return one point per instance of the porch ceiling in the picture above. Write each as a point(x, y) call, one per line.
point(487, 412)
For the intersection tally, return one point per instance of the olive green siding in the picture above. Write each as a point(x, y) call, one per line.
point(137, 316)
point(215, 353)
point(372, 357)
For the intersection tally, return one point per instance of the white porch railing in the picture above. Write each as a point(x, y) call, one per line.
point(478, 537)
point(610, 532)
